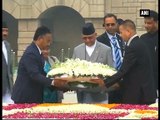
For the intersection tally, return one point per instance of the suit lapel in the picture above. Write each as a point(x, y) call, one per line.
point(9, 66)
point(133, 40)
point(107, 40)
point(121, 44)
point(83, 50)
point(119, 39)
point(127, 46)
point(8, 55)
point(38, 54)
point(43, 61)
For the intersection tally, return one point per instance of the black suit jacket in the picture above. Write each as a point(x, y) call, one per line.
point(137, 72)
point(105, 40)
point(151, 40)
point(28, 87)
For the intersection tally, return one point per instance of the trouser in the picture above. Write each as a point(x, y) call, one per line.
point(7, 98)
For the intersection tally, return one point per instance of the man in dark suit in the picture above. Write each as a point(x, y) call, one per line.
point(7, 76)
point(151, 40)
point(110, 25)
point(31, 79)
point(136, 70)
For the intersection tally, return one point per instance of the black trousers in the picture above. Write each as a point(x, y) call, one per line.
point(115, 96)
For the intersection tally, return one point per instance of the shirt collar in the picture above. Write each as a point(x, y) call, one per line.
point(93, 46)
point(38, 49)
point(129, 41)
point(110, 36)
point(3, 43)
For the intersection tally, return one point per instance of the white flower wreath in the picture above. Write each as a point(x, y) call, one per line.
point(80, 68)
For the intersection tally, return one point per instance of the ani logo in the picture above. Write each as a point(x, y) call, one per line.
point(144, 12)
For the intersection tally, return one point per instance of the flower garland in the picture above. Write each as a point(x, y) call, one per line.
point(80, 111)
point(78, 68)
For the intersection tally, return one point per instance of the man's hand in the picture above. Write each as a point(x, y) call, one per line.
point(115, 86)
point(60, 85)
point(99, 81)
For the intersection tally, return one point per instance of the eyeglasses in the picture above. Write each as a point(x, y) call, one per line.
point(110, 24)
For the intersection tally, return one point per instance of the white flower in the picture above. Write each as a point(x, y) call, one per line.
point(77, 67)
point(73, 108)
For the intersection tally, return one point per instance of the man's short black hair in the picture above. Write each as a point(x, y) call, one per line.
point(120, 21)
point(153, 14)
point(42, 30)
point(129, 23)
point(109, 15)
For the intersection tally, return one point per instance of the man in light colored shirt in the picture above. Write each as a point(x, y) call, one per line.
point(93, 51)
point(110, 24)
point(7, 76)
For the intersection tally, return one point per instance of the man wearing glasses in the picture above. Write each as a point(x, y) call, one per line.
point(111, 38)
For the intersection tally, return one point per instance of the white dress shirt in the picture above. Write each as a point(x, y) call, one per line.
point(5, 52)
point(7, 96)
point(90, 49)
point(39, 49)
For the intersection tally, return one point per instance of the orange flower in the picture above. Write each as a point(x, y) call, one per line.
point(145, 111)
point(49, 104)
point(108, 105)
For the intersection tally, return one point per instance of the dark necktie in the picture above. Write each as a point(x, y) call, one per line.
point(117, 54)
